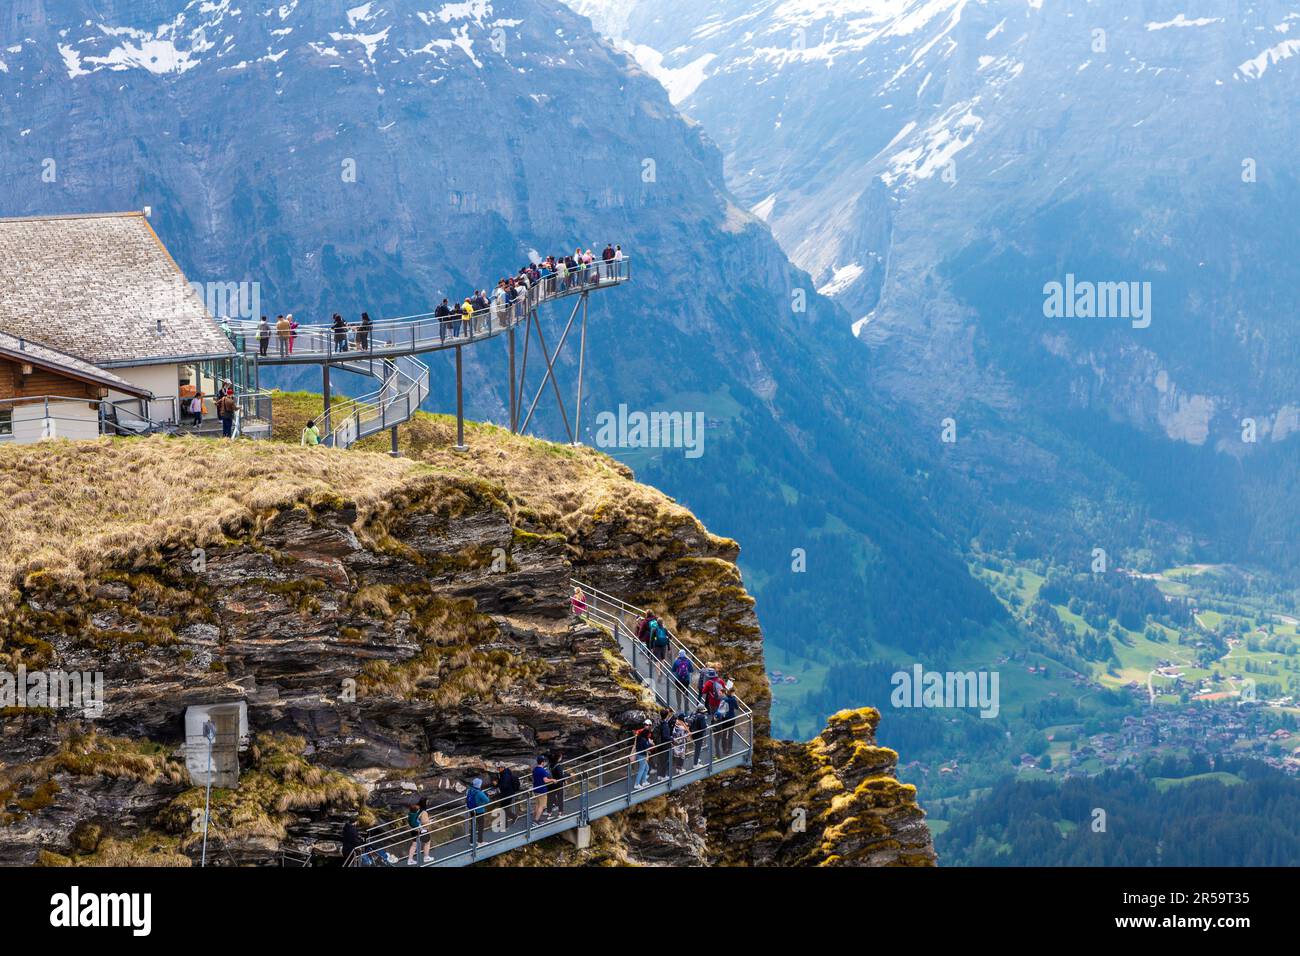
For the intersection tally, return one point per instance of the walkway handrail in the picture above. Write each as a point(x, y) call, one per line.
point(579, 772)
point(418, 333)
point(611, 607)
point(112, 418)
point(405, 387)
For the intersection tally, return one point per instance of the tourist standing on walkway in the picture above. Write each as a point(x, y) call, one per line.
point(507, 788)
point(663, 742)
point(681, 734)
point(363, 332)
point(443, 314)
point(417, 818)
point(578, 603)
point(263, 336)
point(608, 258)
point(658, 640)
point(541, 781)
point(226, 412)
point(282, 329)
point(640, 756)
point(293, 331)
point(725, 720)
point(475, 800)
point(466, 324)
point(351, 840)
point(555, 803)
point(196, 408)
point(699, 730)
point(682, 669)
point(340, 333)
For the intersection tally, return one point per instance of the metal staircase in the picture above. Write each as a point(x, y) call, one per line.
point(595, 785)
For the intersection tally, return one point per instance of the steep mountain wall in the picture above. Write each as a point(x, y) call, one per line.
point(383, 578)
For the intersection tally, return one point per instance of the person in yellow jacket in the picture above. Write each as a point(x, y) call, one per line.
point(311, 435)
point(467, 318)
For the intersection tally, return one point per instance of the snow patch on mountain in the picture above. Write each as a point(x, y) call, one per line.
point(1182, 21)
point(763, 208)
point(1256, 66)
point(842, 277)
point(680, 82)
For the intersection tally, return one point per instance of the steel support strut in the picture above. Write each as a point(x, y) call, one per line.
point(550, 372)
point(582, 361)
point(460, 404)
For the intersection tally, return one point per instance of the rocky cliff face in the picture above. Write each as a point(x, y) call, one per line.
point(383, 648)
point(376, 156)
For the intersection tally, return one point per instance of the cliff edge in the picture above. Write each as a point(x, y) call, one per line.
point(395, 626)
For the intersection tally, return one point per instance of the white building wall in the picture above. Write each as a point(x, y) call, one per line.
point(75, 420)
point(162, 380)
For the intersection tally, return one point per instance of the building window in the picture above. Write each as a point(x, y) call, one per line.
point(6, 424)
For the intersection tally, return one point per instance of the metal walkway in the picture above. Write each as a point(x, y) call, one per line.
point(386, 351)
point(595, 785)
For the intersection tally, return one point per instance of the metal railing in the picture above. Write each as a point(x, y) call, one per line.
point(40, 417)
point(423, 332)
point(622, 618)
point(405, 386)
point(593, 785)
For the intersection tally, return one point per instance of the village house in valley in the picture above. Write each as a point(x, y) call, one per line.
point(100, 333)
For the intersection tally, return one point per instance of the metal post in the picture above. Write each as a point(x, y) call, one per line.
point(712, 740)
point(460, 406)
point(395, 453)
point(514, 409)
point(582, 357)
point(325, 389)
point(210, 733)
point(584, 800)
point(633, 766)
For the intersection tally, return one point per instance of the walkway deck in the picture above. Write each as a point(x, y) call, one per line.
point(596, 784)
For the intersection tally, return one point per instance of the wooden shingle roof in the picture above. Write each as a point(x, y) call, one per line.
point(16, 349)
point(101, 288)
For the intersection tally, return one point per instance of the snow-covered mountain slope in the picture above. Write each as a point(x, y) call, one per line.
point(379, 156)
point(934, 164)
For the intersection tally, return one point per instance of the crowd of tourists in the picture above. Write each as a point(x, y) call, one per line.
point(483, 310)
point(665, 744)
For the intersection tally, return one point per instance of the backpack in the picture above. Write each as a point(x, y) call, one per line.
point(660, 635)
point(713, 695)
point(682, 669)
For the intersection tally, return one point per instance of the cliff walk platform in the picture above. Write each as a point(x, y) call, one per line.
point(594, 785)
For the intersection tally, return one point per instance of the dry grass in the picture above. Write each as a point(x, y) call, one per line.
point(553, 487)
point(71, 508)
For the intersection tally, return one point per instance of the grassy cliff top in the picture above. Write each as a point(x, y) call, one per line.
point(73, 506)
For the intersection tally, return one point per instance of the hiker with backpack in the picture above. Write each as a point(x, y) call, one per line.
point(708, 673)
point(417, 817)
point(658, 639)
point(507, 787)
point(643, 628)
point(226, 412)
point(475, 800)
point(682, 669)
point(724, 718)
point(640, 756)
